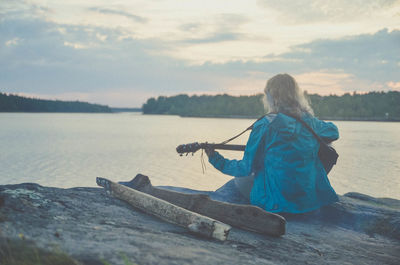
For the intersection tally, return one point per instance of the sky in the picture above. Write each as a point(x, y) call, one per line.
point(120, 53)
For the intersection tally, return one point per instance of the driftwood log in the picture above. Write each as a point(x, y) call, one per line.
point(246, 217)
point(196, 223)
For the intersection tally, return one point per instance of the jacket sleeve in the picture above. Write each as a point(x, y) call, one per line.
point(326, 130)
point(240, 168)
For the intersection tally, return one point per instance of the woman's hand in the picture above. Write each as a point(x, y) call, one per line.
point(209, 151)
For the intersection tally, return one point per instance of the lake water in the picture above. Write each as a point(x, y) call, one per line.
point(69, 150)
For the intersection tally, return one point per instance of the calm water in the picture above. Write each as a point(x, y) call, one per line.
point(68, 150)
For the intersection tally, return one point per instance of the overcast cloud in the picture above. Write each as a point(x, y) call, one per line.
point(131, 58)
point(340, 11)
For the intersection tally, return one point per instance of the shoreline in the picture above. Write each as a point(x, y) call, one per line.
point(203, 116)
point(256, 117)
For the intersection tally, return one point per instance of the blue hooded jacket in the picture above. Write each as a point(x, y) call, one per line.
point(283, 156)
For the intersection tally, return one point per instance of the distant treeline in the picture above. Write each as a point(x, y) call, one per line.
point(13, 103)
point(126, 109)
point(220, 105)
point(371, 106)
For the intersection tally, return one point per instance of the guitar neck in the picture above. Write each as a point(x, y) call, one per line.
point(232, 147)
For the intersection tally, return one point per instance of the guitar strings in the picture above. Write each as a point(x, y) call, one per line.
point(203, 163)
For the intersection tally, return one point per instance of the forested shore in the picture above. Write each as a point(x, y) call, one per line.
point(14, 103)
point(379, 106)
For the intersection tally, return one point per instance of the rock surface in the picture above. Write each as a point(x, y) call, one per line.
point(95, 228)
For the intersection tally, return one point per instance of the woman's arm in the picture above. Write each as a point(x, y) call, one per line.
point(240, 168)
point(326, 130)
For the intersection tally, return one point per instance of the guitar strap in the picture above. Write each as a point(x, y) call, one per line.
point(203, 165)
point(249, 128)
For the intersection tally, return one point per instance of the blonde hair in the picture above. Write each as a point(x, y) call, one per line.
point(282, 94)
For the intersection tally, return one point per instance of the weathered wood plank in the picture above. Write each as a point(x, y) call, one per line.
point(247, 217)
point(201, 225)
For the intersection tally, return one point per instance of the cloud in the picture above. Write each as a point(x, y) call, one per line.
point(190, 27)
point(226, 28)
point(12, 42)
point(309, 11)
point(394, 85)
point(104, 65)
point(368, 56)
point(325, 82)
point(22, 9)
point(75, 61)
point(215, 38)
point(362, 62)
point(75, 45)
point(108, 11)
point(231, 21)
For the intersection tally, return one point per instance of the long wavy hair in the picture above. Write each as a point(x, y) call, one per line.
point(282, 94)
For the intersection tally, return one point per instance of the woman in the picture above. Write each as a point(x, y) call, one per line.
point(281, 155)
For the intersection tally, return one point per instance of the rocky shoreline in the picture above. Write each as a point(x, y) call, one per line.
point(91, 227)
